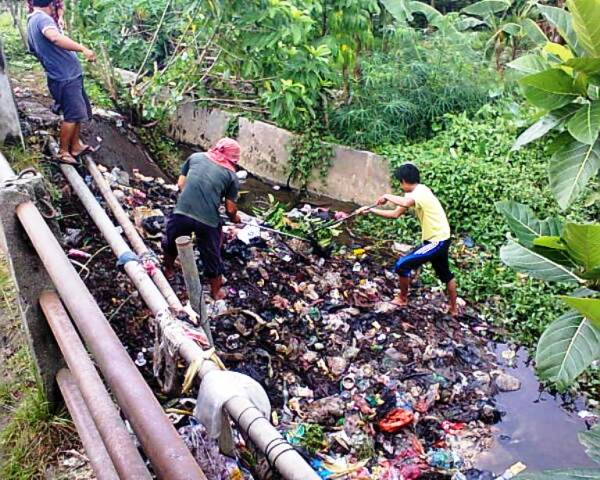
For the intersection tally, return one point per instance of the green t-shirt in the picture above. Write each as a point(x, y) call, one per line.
point(205, 187)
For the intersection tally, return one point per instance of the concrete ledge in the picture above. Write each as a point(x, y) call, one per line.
point(199, 126)
point(9, 118)
point(265, 150)
point(355, 175)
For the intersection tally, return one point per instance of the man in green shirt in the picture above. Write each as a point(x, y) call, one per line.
point(206, 179)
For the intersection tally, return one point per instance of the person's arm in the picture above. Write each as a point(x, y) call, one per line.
point(185, 169)
point(231, 196)
point(396, 213)
point(401, 201)
point(62, 41)
point(232, 211)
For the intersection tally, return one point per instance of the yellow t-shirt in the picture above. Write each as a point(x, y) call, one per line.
point(431, 214)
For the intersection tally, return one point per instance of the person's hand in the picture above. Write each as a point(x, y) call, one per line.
point(362, 210)
point(89, 55)
point(382, 200)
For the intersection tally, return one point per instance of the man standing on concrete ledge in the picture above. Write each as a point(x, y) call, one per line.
point(55, 51)
point(206, 179)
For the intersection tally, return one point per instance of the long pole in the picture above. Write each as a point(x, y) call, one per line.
point(193, 285)
point(137, 242)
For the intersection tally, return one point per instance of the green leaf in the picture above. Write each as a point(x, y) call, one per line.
point(583, 244)
point(524, 260)
point(585, 124)
point(586, 23)
point(571, 167)
point(570, 474)
point(466, 23)
point(588, 307)
point(567, 347)
point(549, 90)
point(486, 8)
point(544, 125)
point(554, 243)
point(399, 9)
point(534, 32)
point(589, 66)
point(430, 13)
point(591, 441)
point(562, 21)
point(525, 225)
point(512, 28)
point(528, 64)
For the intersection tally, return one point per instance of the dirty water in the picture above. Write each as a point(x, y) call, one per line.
point(537, 429)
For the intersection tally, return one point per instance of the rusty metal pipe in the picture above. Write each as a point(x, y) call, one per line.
point(131, 233)
point(165, 448)
point(125, 456)
point(90, 438)
point(191, 277)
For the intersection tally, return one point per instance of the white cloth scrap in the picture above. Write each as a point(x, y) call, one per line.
point(217, 388)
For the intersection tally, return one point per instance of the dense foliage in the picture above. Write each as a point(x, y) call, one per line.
point(338, 64)
point(563, 82)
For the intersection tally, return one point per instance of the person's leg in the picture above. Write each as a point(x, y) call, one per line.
point(175, 227)
point(209, 241)
point(441, 265)
point(452, 297)
point(76, 109)
point(67, 133)
point(404, 267)
point(67, 127)
point(402, 299)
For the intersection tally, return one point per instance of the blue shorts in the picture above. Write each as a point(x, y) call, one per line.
point(434, 252)
point(70, 99)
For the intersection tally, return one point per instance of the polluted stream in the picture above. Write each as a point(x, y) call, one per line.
point(362, 389)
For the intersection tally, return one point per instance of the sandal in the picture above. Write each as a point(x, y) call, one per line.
point(67, 159)
point(87, 149)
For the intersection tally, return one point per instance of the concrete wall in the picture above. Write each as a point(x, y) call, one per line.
point(355, 175)
point(199, 126)
point(9, 118)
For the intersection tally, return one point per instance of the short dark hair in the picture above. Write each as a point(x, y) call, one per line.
point(42, 3)
point(408, 173)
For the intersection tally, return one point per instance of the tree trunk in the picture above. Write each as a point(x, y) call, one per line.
point(16, 18)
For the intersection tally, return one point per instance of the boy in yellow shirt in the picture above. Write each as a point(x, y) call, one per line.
point(435, 232)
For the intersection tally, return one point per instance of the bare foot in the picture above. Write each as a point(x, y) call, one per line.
point(169, 273)
point(400, 301)
point(219, 294)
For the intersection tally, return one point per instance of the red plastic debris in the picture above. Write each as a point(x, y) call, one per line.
point(395, 420)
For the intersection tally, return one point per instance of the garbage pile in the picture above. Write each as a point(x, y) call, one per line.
point(364, 389)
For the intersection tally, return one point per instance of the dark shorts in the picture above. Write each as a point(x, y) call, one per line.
point(208, 240)
point(434, 252)
point(70, 99)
